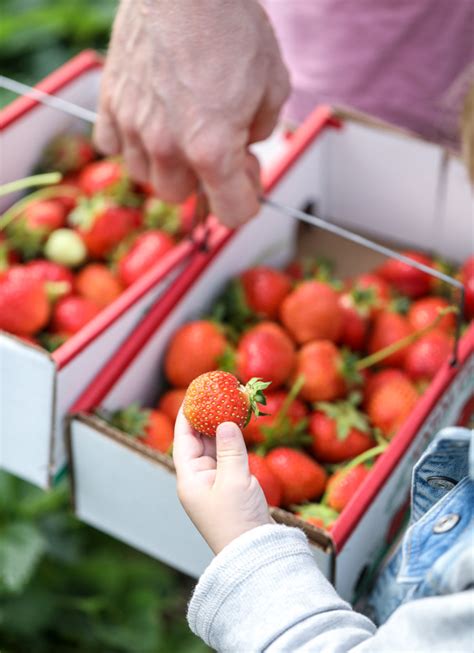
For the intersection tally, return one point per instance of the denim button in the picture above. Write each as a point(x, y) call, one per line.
point(441, 482)
point(446, 523)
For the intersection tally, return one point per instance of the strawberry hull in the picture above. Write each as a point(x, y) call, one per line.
point(38, 388)
point(333, 164)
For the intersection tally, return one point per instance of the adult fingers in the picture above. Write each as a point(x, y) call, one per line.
point(172, 180)
point(136, 159)
point(231, 453)
point(267, 115)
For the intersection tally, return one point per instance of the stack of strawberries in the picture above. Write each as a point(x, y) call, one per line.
point(69, 250)
point(345, 363)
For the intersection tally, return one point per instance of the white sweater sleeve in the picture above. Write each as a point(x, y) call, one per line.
point(264, 592)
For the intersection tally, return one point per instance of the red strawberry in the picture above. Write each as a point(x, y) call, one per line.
point(195, 348)
point(49, 271)
point(146, 250)
point(310, 268)
point(103, 224)
point(356, 312)
point(339, 431)
point(217, 397)
point(379, 379)
point(170, 403)
point(264, 290)
point(38, 219)
point(267, 352)
point(269, 483)
point(424, 312)
point(317, 514)
point(388, 328)
point(312, 312)
point(68, 153)
point(153, 427)
point(406, 279)
point(99, 284)
point(324, 369)
point(425, 356)
point(467, 277)
point(296, 412)
point(379, 293)
point(71, 313)
point(301, 477)
point(343, 485)
point(391, 404)
point(24, 306)
point(106, 176)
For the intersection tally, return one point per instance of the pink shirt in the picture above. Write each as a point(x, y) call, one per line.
point(404, 61)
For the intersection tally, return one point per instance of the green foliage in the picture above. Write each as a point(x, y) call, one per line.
point(65, 587)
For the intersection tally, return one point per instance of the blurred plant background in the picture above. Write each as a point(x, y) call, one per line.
point(64, 587)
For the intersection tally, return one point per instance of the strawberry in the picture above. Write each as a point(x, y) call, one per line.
point(153, 427)
point(310, 268)
point(24, 306)
point(317, 514)
point(379, 379)
point(356, 311)
point(217, 397)
point(301, 477)
point(406, 279)
point(103, 224)
point(264, 290)
point(173, 219)
point(145, 251)
point(8, 256)
point(339, 431)
point(267, 352)
point(68, 153)
point(66, 247)
point(254, 432)
point(391, 403)
point(37, 220)
point(326, 370)
point(48, 271)
point(379, 294)
point(467, 277)
point(269, 483)
point(195, 348)
point(71, 313)
point(170, 403)
point(343, 484)
point(388, 328)
point(425, 356)
point(424, 312)
point(107, 176)
point(312, 312)
point(99, 284)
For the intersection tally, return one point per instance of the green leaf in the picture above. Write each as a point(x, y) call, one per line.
point(21, 548)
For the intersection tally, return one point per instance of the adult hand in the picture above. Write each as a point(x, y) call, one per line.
point(187, 86)
point(215, 486)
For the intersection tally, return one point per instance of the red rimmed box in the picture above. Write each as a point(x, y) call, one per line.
point(37, 388)
point(367, 176)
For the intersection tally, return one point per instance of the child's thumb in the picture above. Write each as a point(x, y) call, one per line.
point(231, 453)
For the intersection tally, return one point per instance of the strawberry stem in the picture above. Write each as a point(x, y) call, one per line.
point(380, 355)
point(46, 179)
point(291, 396)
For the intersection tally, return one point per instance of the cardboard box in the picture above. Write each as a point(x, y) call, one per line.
point(368, 176)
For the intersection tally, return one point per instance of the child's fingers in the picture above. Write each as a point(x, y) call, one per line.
point(231, 452)
point(187, 446)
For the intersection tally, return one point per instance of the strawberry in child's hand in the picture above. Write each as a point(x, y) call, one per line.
point(406, 279)
point(427, 355)
point(68, 153)
point(145, 251)
point(339, 431)
point(71, 313)
point(269, 483)
point(264, 290)
point(170, 403)
point(327, 371)
point(317, 514)
point(103, 224)
point(389, 327)
point(467, 277)
point(24, 305)
point(99, 284)
point(312, 312)
point(195, 348)
point(254, 432)
point(391, 403)
point(267, 352)
point(217, 397)
point(301, 477)
point(152, 427)
point(343, 484)
point(425, 311)
point(38, 219)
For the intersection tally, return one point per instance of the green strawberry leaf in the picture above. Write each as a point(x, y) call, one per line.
point(21, 548)
point(133, 420)
point(317, 510)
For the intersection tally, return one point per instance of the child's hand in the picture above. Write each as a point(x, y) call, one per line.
point(214, 483)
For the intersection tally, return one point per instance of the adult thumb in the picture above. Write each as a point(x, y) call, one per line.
point(231, 453)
